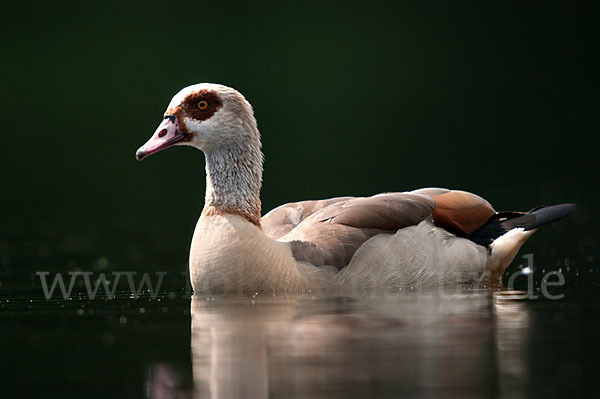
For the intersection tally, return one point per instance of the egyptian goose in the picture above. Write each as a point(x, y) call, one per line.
point(386, 241)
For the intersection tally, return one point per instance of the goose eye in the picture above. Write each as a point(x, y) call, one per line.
point(202, 104)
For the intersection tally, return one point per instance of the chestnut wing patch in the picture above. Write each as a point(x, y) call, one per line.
point(460, 212)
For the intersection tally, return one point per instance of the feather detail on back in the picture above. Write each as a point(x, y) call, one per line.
point(284, 218)
point(329, 232)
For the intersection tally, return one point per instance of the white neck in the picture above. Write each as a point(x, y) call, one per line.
point(234, 176)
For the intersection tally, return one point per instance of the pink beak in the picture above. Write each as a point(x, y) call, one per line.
point(166, 135)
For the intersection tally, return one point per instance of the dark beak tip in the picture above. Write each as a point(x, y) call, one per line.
point(139, 155)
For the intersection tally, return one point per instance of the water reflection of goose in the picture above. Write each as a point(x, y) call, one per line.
point(513, 327)
point(427, 344)
point(385, 241)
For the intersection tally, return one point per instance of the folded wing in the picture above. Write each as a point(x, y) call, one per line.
point(328, 232)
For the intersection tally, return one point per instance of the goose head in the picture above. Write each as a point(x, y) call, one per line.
point(206, 116)
point(219, 121)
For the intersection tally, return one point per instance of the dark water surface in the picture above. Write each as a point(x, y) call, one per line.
point(439, 343)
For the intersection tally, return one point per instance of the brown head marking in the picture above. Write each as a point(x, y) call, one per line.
point(200, 105)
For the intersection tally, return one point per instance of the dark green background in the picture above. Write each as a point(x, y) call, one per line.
point(352, 98)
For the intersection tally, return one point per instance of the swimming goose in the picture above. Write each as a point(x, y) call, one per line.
point(387, 241)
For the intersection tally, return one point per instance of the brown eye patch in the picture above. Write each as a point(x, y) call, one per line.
point(201, 105)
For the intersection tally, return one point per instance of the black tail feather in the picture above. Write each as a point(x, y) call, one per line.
point(548, 214)
point(502, 222)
